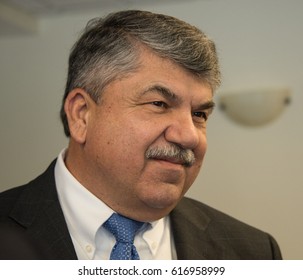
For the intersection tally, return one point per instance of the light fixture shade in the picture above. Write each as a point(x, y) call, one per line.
point(254, 108)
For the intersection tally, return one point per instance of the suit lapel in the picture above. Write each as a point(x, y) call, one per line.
point(190, 226)
point(38, 210)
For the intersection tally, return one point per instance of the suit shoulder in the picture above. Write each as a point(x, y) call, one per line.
point(247, 242)
point(214, 215)
point(8, 197)
point(223, 226)
point(26, 193)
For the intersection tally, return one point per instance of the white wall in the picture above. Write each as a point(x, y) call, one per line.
point(253, 174)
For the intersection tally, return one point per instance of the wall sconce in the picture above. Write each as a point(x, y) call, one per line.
point(254, 108)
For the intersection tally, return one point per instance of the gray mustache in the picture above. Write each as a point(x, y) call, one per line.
point(185, 157)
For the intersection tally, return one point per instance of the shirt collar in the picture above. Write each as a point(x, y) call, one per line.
point(83, 211)
point(154, 234)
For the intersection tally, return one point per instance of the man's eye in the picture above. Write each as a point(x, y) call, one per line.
point(200, 115)
point(160, 104)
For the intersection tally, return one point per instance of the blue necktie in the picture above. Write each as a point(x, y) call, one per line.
point(124, 230)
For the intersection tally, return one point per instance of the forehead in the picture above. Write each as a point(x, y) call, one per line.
point(156, 72)
point(158, 75)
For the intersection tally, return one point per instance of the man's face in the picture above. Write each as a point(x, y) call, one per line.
point(158, 106)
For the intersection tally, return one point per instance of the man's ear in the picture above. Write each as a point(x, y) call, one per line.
point(76, 107)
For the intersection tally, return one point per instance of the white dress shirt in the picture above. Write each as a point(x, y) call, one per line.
point(85, 214)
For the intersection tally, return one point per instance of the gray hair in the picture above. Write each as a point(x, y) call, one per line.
point(108, 49)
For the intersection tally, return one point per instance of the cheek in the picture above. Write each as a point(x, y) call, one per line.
point(134, 137)
point(119, 145)
point(195, 169)
point(200, 150)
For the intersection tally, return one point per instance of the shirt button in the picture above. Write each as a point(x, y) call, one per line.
point(88, 248)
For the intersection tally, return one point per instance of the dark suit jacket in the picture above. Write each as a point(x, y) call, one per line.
point(32, 216)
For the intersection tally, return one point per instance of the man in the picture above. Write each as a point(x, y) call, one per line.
point(139, 92)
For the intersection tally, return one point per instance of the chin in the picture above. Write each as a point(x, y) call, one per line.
point(164, 199)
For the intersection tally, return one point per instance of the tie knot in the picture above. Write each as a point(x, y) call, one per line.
point(124, 229)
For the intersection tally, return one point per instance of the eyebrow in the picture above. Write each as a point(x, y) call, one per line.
point(165, 92)
point(168, 94)
point(208, 105)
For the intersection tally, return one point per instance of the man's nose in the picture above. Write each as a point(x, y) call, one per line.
point(183, 131)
